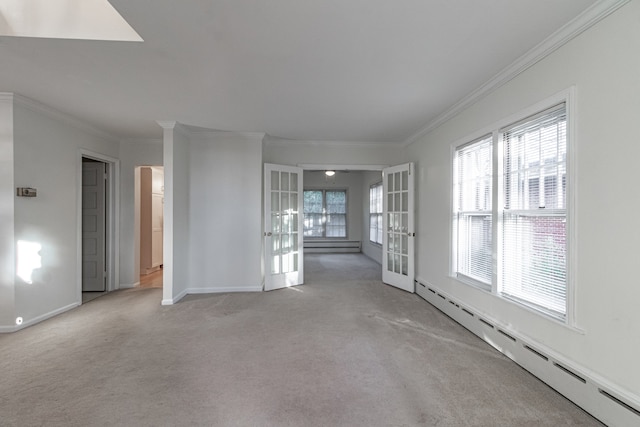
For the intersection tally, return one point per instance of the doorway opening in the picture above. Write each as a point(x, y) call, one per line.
point(149, 208)
point(337, 212)
point(396, 231)
point(315, 208)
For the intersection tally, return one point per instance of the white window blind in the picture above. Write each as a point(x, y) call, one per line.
point(313, 213)
point(534, 246)
point(336, 218)
point(375, 213)
point(473, 168)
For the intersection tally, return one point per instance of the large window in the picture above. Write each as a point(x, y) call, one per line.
point(473, 172)
point(375, 213)
point(517, 249)
point(325, 213)
point(534, 217)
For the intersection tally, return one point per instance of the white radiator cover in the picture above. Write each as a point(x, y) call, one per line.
point(586, 389)
point(332, 246)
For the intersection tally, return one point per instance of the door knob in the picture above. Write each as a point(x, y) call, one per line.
point(268, 234)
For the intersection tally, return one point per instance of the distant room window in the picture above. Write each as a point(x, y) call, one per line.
point(375, 213)
point(325, 213)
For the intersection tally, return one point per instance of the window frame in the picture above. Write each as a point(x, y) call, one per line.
point(568, 98)
point(379, 228)
point(459, 214)
point(324, 214)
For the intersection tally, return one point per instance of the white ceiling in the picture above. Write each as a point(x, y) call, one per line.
point(335, 70)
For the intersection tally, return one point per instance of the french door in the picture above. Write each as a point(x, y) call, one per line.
point(283, 217)
point(398, 222)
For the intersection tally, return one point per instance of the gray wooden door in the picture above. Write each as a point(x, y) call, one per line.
point(94, 274)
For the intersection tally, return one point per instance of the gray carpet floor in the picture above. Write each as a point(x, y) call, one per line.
point(342, 350)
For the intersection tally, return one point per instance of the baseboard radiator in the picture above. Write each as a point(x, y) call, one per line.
point(586, 389)
point(332, 246)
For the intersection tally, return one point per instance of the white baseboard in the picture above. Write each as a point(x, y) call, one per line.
point(593, 393)
point(224, 290)
point(193, 291)
point(175, 299)
point(38, 319)
point(129, 286)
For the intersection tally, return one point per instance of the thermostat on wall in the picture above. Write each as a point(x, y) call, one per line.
point(26, 192)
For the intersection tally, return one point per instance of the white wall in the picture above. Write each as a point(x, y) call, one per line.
point(7, 198)
point(604, 65)
point(350, 181)
point(47, 151)
point(132, 154)
point(225, 213)
point(287, 152)
point(176, 148)
point(372, 250)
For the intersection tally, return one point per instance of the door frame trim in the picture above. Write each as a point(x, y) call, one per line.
point(112, 211)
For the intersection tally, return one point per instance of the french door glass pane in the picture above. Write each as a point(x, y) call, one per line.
point(398, 227)
point(275, 223)
point(284, 225)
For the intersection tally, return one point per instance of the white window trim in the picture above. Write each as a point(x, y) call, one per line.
point(566, 96)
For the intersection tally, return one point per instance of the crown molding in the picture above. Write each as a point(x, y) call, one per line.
point(167, 124)
point(199, 132)
point(281, 142)
point(174, 126)
point(6, 96)
point(51, 112)
point(196, 132)
point(151, 141)
point(592, 15)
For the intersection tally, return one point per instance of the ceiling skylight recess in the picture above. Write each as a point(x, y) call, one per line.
point(64, 19)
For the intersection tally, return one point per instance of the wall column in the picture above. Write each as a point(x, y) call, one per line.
point(7, 216)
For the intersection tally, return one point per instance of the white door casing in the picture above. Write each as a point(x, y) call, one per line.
point(93, 227)
point(283, 216)
point(398, 221)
